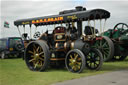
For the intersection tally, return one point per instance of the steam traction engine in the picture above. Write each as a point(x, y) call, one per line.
point(66, 45)
point(119, 37)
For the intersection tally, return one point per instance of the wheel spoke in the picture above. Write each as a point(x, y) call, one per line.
point(79, 63)
point(97, 62)
point(78, 67)
point(106, 52)
point(34, 46)
point(41, 58)
point(76, 56)
point(30, 52)
point(71, 64)
point(41, 53)
point(32, 60)
point(101, 43)
point(97, 58)
point(37, 50)
point(71, 56)
point(90, 64)
point(35, 65)
point(32, 56)
point(104, 56)
point(34, 51)
point(71, 60)
point(40, 49)
point(97, 45)
point(94, 64)
point(106, 48)
point(41, 63)
point(74, 68)
point(104, 44)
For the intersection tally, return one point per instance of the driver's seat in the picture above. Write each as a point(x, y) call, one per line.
point(88, 30)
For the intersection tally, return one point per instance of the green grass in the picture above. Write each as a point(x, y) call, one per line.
point(15, 72)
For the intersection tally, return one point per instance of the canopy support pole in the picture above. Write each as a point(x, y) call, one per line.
point(30, 33)
point(79, 27)
point(94, 29)
point(19, 31)
point(54, 26)
point(100, 27)
point(104, 24)
point(24, 29)
point(73, 24)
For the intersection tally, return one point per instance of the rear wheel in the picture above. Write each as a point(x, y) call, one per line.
point(75, 61)
point(94, 59)
point(119, 58)
point(37, 56)
point(106, 46)
point(121, 26)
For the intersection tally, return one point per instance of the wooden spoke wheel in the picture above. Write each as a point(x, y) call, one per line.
point(94, 59)
point(119, 58)
point(37, 56)
point(106, 46)
point(75, 61)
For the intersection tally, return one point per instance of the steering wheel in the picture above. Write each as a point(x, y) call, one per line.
point(37, 34)
point(121, 26)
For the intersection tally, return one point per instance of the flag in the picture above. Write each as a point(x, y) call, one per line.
point(6, 24)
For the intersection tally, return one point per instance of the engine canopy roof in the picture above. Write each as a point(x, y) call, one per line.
point(65, 17)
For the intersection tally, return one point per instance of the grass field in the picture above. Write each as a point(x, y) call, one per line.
point(15, 72)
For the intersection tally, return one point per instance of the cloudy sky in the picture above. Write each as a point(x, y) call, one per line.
point(12, 10)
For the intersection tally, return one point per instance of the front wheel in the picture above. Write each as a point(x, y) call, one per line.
point(75, 61)
point(94, 59)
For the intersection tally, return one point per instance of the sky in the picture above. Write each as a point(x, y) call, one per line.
point(12, 10)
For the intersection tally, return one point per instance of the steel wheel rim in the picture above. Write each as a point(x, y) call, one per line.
point(35, 56)
point(93, 60)
point(74, 62)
